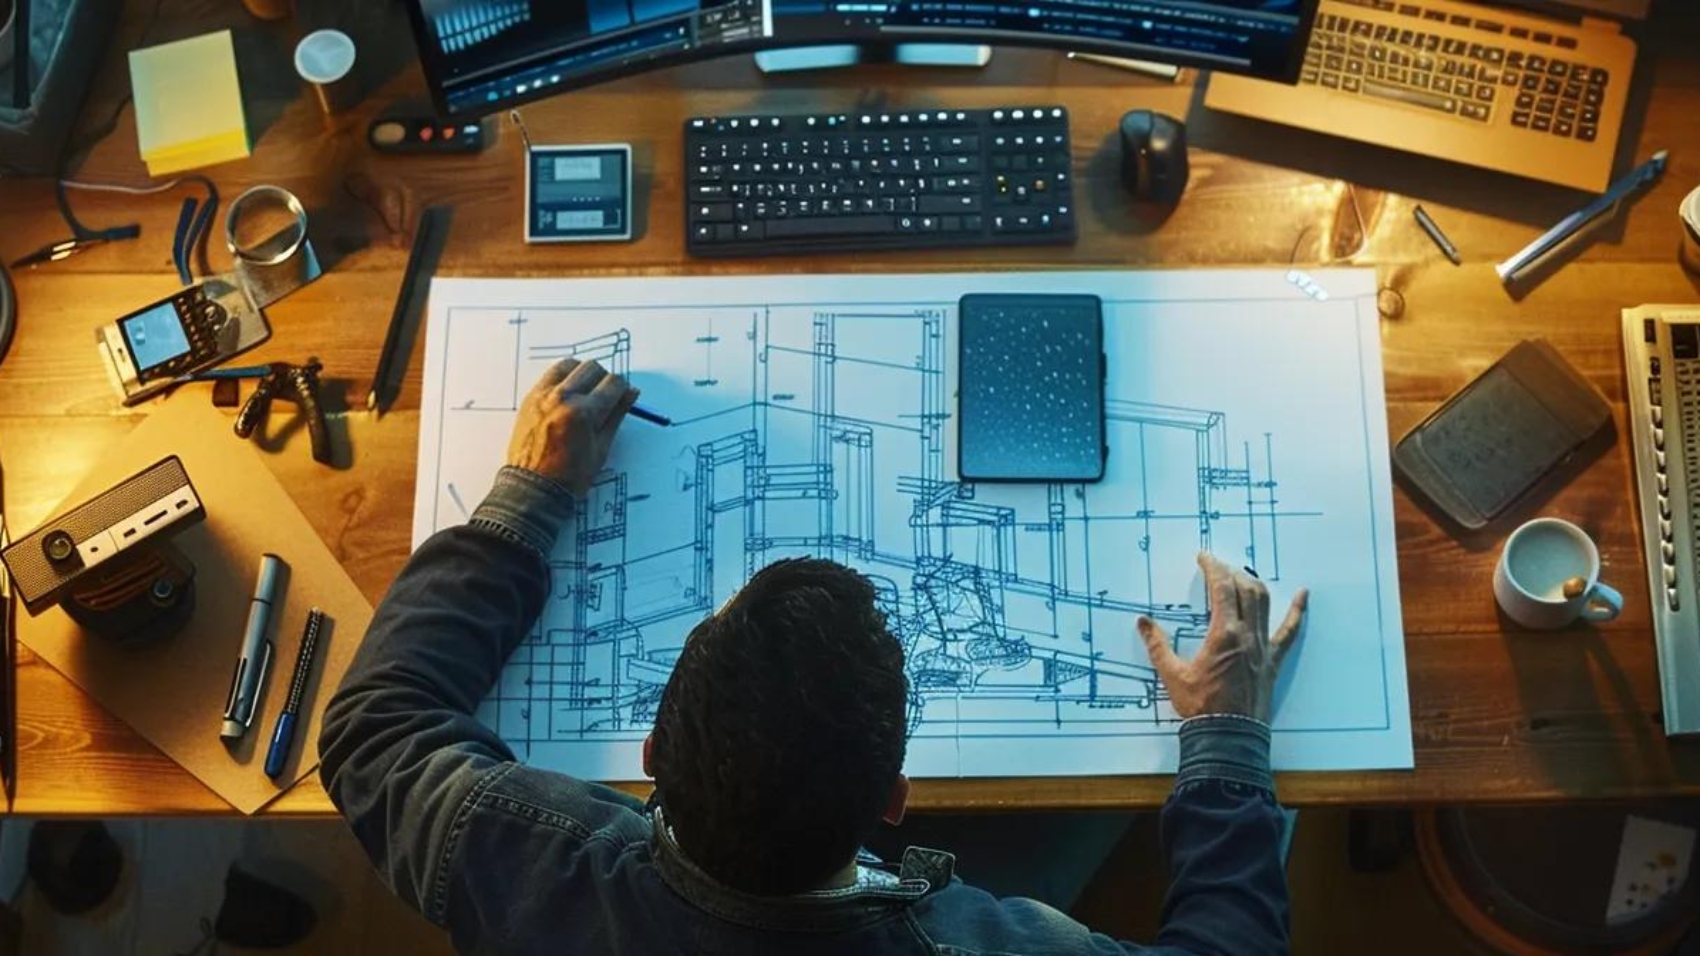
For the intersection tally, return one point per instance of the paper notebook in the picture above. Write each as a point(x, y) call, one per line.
point(188, 103)
point(173, 692)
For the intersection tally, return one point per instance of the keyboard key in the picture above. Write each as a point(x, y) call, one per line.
point(1536, 62)
point(1551, 87)
point(1520, 118)
point(1473, 111)
point(1558, 68)
point(1563, 127)
point(1352, 84)
point(1573, 90)
point(1541, 124)
point(1598, 77)
point(1399, 94)
point(1441, 85)
point(1567, 111)
point(1587, 133)
point(1546, 104)
point(832, 226)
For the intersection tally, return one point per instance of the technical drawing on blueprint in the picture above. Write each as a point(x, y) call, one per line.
point(814, 415)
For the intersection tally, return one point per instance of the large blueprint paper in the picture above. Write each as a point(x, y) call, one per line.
point(814, 415)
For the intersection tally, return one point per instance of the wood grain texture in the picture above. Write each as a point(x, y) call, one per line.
point(1498, 715)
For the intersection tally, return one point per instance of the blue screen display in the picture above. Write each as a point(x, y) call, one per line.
point(156, 336)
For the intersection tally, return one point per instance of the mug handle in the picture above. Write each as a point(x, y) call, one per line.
point(1604, 603)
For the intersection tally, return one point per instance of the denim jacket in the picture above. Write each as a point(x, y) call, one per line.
point(513, 859)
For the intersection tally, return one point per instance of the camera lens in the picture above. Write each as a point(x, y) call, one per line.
point(58, 546)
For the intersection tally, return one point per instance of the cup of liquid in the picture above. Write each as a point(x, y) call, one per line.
point(1549, 575)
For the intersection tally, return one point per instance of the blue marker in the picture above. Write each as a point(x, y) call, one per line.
point(278, 754)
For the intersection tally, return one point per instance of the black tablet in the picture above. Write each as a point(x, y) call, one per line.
point(1030, 389)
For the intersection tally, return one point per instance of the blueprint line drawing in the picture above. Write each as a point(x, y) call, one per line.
point(813, 419)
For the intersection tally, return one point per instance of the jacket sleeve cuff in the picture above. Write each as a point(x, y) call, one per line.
point(1225, 747)
point(526, 507)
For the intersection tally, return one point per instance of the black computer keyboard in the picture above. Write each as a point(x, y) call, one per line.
point(837, 182)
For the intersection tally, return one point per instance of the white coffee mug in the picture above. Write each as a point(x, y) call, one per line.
point(1537, 560)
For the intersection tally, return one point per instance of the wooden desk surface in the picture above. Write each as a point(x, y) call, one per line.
point(1497, 715)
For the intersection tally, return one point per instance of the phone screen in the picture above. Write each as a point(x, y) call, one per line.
point(1030, 389)
point(155, 336)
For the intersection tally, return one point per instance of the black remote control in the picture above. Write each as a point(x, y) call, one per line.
point(424, 134)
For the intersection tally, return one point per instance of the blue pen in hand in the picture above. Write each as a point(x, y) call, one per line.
point(278, 754)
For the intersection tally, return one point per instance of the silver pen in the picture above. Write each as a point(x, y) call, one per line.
point(255, 658)
point(1517, 268)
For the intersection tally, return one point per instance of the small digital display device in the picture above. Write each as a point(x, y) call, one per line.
point(155, 335)
point(1030, 388)
point(153, 347)
point(578, 193)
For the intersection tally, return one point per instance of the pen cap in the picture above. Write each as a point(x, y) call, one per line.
point(265, 587)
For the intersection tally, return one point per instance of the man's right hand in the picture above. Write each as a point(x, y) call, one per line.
point(566, 424)
point(1234, 672)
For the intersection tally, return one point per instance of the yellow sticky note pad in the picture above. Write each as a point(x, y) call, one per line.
point(188, 103)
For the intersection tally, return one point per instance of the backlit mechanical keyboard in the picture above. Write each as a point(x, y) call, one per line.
point(837, 182)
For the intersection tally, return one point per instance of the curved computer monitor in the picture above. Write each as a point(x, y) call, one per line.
point(485, 55)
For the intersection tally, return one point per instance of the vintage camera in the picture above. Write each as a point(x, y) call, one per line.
point(109, 562)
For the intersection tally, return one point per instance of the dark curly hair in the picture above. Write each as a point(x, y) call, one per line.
point(782, 729)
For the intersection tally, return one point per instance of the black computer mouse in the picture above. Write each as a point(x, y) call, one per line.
point(1154, 164)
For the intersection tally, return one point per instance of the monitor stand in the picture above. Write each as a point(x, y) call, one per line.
point(852, 54)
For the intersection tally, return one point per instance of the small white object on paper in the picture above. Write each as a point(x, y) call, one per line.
point(816, 415)
point(1652, 865)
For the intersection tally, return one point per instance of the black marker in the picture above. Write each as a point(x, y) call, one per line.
point(651, 417)
point(278, 754)
point(1433, 230)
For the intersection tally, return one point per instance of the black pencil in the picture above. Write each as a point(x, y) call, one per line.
point(392, 365)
